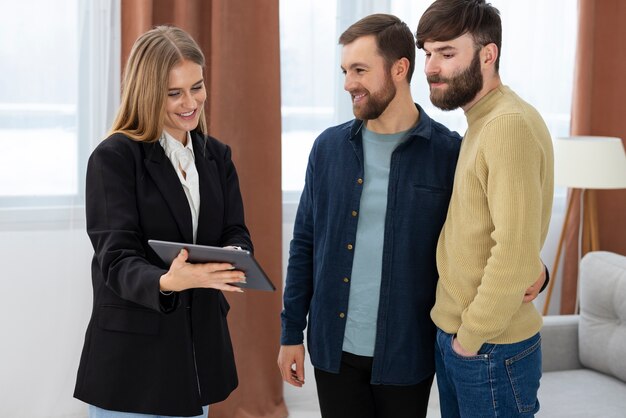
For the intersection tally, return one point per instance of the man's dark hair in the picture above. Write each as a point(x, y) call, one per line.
point(394, 39)
point(445, 20)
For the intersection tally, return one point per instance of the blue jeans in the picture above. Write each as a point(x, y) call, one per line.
point(95, 412)
point(501, 381)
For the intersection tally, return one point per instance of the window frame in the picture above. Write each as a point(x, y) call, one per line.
point(99, 37)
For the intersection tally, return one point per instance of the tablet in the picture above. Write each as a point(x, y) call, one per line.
point(241, 259)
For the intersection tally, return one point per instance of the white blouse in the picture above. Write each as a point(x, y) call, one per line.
point(182, 158)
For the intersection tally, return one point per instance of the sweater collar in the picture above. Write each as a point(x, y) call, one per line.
point(484, 105)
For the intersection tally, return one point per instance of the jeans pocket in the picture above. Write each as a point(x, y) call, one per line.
point(482, 354)
point(524, 371)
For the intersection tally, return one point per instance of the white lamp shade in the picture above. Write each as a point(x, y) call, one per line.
point(590, 162)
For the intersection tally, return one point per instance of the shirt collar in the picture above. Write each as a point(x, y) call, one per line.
point(170, 144)
point(423, 129)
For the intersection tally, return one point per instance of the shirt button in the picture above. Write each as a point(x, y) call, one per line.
point(346, 280)
point(349, 247)
point(342, 315)
point(360, 181)
point(354, 213)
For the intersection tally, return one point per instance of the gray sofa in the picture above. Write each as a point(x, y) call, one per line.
point(584, 356)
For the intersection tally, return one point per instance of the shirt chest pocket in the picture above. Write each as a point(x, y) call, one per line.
point(429, 204)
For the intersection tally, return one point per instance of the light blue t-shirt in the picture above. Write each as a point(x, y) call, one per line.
point(360, 333)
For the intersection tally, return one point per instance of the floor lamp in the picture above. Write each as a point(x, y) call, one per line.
point(587, 163)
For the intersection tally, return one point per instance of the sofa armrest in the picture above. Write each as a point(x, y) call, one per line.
point(559, 343)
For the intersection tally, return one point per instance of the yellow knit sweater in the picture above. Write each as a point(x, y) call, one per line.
point(488, 250)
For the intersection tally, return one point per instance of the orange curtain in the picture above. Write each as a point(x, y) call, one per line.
point(598, 109)
point(240, 39)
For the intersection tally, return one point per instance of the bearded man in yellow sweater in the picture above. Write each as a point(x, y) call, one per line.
point(488, 352)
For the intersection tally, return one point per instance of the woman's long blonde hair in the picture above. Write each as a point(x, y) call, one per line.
point(146, 77)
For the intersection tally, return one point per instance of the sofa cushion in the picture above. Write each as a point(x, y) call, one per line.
point(581, 393)
point(559, 343)
point(602, 332)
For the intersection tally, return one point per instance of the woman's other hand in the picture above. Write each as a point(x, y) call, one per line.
point(183, 275)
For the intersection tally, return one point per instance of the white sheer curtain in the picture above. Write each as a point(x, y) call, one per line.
point(537, 61)
point(46, 254)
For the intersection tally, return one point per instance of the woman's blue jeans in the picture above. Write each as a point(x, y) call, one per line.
point(95, 412)
point(501, 381)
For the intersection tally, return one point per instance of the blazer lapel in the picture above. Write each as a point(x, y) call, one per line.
point(162, 172)
point(211, 196)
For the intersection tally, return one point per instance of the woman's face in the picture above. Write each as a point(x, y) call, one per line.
point(185, 98)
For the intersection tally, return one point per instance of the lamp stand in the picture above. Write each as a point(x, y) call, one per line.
point(555, 266)
point(590, 235)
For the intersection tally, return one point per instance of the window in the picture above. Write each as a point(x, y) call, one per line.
point(308, 71)
point(60, 62)
point(537, 62)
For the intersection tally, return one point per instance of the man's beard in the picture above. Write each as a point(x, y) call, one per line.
point(461, 88)
point(376, 103)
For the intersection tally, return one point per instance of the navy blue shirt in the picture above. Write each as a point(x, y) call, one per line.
point(322, 249)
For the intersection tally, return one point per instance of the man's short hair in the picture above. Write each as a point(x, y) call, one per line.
point(394, 39)
point(445, 20)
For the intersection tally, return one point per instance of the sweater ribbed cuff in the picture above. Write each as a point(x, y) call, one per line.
point(468, 341)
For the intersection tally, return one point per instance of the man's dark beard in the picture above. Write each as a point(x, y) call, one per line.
point(376, 102)
point(462, 88)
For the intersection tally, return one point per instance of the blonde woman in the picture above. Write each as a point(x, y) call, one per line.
point(158, 343)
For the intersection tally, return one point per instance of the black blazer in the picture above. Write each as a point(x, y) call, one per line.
point(145, 352)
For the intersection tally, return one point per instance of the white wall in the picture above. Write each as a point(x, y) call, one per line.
point(548, 254)
point(46, 303)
